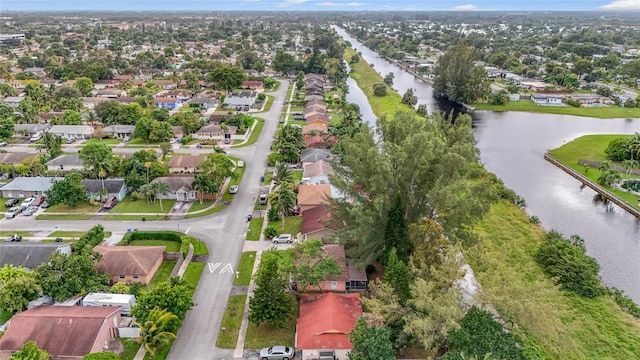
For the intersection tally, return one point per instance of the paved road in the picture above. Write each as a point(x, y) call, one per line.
point(223, 232)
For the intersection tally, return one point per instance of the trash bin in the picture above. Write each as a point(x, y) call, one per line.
point(144, 218)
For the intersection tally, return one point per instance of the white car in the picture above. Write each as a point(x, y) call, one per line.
point(283, 238)
point(233, 189)
point(26, 202)
point(240, 163)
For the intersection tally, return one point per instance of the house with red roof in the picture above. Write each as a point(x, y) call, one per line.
point(324, 322)
point(351, 278)
point(65, 332)
point(314, 224)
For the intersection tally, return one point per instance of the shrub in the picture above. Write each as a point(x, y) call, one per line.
point(150, 235)
point(184, 246)
point(573, 102)
point(273, 214)
point(270, 232)
point(89, 240)
point(102, 356)
point(572, 268)
point(625, 302)
point(272, 159)
point(618, 150)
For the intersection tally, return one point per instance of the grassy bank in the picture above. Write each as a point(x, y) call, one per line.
point(231, 320)
point(245, 268)
point(366, 77)
point(606, 112)
point(553, 324)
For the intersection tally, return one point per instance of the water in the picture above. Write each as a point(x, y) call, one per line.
point(512, 145)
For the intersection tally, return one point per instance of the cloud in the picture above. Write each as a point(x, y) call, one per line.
point(467, 7)
point(244, 2)
point(333, 3)
point(288, 3)
point(622, 5)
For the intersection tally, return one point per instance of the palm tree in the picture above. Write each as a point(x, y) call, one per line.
point(629, 165)
point(147, 191)
point(160, 187)
point(283, 174)
point(202, 184)
point(283, 199)
point(154, 333)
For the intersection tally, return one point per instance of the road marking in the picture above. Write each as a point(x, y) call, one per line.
point(187, 231)
point(213, 267)
point(227, 269)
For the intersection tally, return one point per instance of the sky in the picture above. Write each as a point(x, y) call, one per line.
point(324, 5)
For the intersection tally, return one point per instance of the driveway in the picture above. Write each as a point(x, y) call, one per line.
point(223, 232)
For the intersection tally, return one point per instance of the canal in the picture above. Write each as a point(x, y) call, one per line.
point(512, 145)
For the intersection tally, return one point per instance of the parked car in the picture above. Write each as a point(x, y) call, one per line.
point(26, 202)
point(3, 143)
point(11, 202)
point(44, 205)
point(240, 163)
point(277, 353)
point(39, 200)
point(14, 237)
point(233, 189)
point(263, 199)
point(283, 238)
point(35, 138)
point(11, 213)
point(111, 202)
point(30, 210)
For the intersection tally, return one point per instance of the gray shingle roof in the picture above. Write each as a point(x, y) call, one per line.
point(39, 183)
point(113, 186)
point(66, 160)
point(26, 254)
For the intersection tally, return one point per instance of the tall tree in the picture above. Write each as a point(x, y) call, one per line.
point(84, 85)
point(160, 132)
point(68, 191)
point(457, 78)
point(396, 274)
point(370, 342)
point(227, 77)
point(17, 288)
point(154, 332)
point(66, 276)
point(270, 303)
point(283, 200)
point(175, 296)
point(30, 351)
point(308, 265)
point(396, 234)
point(53, 144)
point(98, 157)
point(6, 127)
point(160, 188)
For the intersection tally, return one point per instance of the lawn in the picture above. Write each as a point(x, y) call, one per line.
point(160, 354)
point(268, 176)
point(231, 320)
point(193, 273)
point(245, 268)
point(21, 233)
point(2, 207)
point(266, 335)
point(63, 217)
point(240, 173)
point(199, 248)
point(208, 212)
point(591, 147)
point(255, 229)
point(4, 316)
point(83, 207)
point(106, 141)
point(74, 234)
point(163, 272)
point(171, 246)
point(292, 225)
point(297, 175)
point(142, 206)
point(197, 206)
point(254, 134)
point(134, 217)
point(267, 106)
point(131, 348)
point(553, 324)
point(605, 112)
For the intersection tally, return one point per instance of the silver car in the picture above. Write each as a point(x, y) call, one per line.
point(283, 238)
point(30, 211)
point(13, 212)
point(277, 353)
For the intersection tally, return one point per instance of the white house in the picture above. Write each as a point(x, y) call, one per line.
point(547, 100)
point(72, 131)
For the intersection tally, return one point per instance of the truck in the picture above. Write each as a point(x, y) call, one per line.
point(125, 301)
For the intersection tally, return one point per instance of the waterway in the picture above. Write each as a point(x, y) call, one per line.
point(512, 145)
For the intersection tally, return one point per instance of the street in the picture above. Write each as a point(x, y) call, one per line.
point(223, 232)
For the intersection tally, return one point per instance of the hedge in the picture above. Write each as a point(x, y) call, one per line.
point(150, 235)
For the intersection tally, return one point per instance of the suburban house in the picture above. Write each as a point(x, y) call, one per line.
point(72, 131)
point(214, 132)
point(313, 97)
point(315, 128)
point(167, 103)
point(312, 110)
point(591, 99)
point(185, 164)
point(123, 100)
point(51, 115)
point(91, 102)
point(29, 254)
point(546, 100)
point(179, 94)
point(314, 224)
point(65, 332)
point(324, 323)
point(351, 278)
point(317, 118)
point(66, 163)
point(105, 84)
point(318, 103)
point(29, 130)
point(15, 158)
point(204, 102)
point(130, 264)
point(239, 103)
point(324, 141)
point(166, 84)
point(310, 196)
point(313, 155)
point(119, 131)
point(13, 101)
point(23, 187)
point(218, 118)
point(112, 187)
point(178, 131)
point(253, 85)
point(317, 172)
point(181, 189)
point(110, 93)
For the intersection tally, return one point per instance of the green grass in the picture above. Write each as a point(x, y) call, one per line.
point(2, 207)
point(163, 273)
point(171, 246)
point(84, 207)
point(133, 217)
point(5, 316)
point(131, 348)
point(106, 141)
point(21, 233)
point(74, 234)
point(208, 212)
point(268, 176)
point(160, 354)
point(605, 112)
point(297, 175)
point(142, 206)
point(196, 206)
point(366, 77)
point(254, 134)
point(591, 147)
point(296, 122)
point(240, 173)
point(231, 320)
point(292, 225)
point(199, 248)
point(553, 324)
point(255, 229)
point(137, 141)
point(193, 273)
point(266, 335)
point(245, 268)
point(267, 106)
point(275, 87)
point(63, 217)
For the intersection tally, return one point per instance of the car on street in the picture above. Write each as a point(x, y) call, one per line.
point(14, 237)
point(277, 352)
point(26, 202)
point(283, 238)
point(44, 205)
point(30, 210)
point(111, 202)
point(3, 143)
point(233, 189)
point(11, 202)
point(11, 213)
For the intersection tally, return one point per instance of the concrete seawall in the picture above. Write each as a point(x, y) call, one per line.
point(595, 186)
